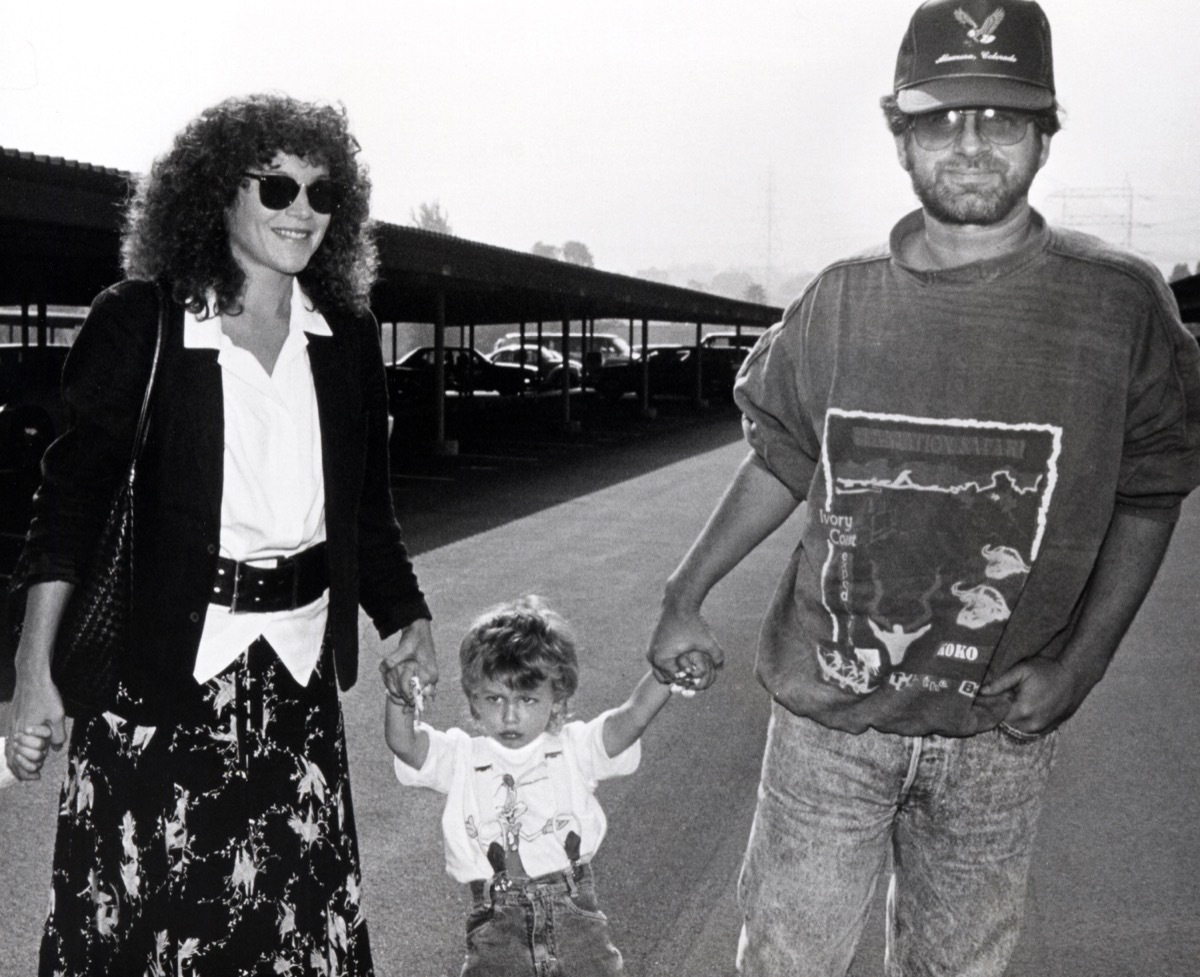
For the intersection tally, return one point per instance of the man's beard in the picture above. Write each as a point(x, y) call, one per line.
point(953, 203)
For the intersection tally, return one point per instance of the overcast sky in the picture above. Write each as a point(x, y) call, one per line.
point(658, 132)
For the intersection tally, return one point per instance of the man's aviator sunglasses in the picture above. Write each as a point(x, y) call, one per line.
point(1001, 127)
point(276, 192)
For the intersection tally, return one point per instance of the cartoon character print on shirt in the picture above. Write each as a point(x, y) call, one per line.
point(506, 801)
point(928, 529)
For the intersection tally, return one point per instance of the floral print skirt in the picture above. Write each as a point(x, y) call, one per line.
point(224, 849)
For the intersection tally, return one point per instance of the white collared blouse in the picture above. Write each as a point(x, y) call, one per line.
point(273, 490)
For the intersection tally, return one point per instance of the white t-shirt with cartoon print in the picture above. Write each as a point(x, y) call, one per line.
point(526, 800)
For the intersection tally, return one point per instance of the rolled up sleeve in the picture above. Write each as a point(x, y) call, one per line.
point(775, 420)
point(1160, 463)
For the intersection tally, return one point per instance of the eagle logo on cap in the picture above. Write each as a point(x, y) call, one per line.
point(980, 34)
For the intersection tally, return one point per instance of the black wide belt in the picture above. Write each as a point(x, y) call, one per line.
point(295, 581)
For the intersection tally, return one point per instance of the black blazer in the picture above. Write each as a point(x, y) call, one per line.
point(178, 488)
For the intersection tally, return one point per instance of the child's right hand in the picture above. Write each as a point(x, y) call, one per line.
point(414, 657)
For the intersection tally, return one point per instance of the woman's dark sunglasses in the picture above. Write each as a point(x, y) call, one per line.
point(276, 192)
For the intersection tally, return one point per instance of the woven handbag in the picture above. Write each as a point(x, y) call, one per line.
point(86, 665)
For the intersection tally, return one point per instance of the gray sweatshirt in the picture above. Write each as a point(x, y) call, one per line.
point(962, 438)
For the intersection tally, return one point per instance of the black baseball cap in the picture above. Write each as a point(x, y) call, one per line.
point(960, 53)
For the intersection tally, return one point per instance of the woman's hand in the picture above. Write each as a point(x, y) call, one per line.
point(414, 657)
point(36, 713)
point(25, 751)
point(36, 701)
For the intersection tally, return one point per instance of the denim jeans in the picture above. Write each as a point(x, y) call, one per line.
point(956, 817)
point(544, 927)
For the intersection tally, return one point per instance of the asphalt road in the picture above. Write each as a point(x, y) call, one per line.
point(595, 528)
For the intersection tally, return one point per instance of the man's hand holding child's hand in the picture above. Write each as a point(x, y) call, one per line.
point(694, 672)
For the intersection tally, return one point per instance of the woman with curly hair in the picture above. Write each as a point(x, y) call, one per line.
point(206, 824)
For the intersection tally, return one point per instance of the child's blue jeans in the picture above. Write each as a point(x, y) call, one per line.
point(544, 927)
point(955, 818)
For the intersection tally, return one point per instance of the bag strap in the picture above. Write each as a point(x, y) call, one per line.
point(144, 416)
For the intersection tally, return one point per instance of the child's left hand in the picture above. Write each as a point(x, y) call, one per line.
point(695, 672)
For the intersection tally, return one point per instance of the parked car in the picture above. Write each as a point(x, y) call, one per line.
point(32, 413)
point(732, 340)
point(731, 346)
point(466, 370)
point(547, 362)
point(604, 346)
point(33, 375)
point(672, 372)
point(1187, 294)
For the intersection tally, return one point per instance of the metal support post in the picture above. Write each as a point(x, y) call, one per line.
point(644, 373)
point(441, 445)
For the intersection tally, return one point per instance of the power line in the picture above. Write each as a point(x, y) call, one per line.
point(1086, 208)
point(1118, 213)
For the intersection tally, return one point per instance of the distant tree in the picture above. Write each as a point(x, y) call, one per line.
point(654, 275)
point(696, 286)
point(792, 286)
point(730, 283)
point(543, 250)
point(577, 253)
point(431, 217)
point(1180, 271)
point(755, 293)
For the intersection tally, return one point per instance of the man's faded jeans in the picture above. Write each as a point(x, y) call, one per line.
point(956, 815)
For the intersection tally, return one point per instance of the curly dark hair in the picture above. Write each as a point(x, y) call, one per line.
point(1048, 121)
point(175, 221)
point(521, 644)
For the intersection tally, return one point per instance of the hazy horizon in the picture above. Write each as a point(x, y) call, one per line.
point(662, 135)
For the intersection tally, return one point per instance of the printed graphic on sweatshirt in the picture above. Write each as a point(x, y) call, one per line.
point(931, 528)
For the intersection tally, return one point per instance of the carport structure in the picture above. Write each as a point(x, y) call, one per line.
point(59, 244)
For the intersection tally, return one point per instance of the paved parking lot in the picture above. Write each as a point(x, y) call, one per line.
point(595, 528)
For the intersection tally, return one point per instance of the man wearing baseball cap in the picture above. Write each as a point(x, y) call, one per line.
point(993, 424)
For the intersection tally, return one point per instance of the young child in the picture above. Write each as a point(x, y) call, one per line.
point(521, 821)
point(29, 748)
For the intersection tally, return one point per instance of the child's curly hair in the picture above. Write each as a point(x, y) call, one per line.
point(520, 644)
point(175, 222)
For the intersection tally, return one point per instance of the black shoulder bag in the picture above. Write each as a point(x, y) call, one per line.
point(86, 666)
